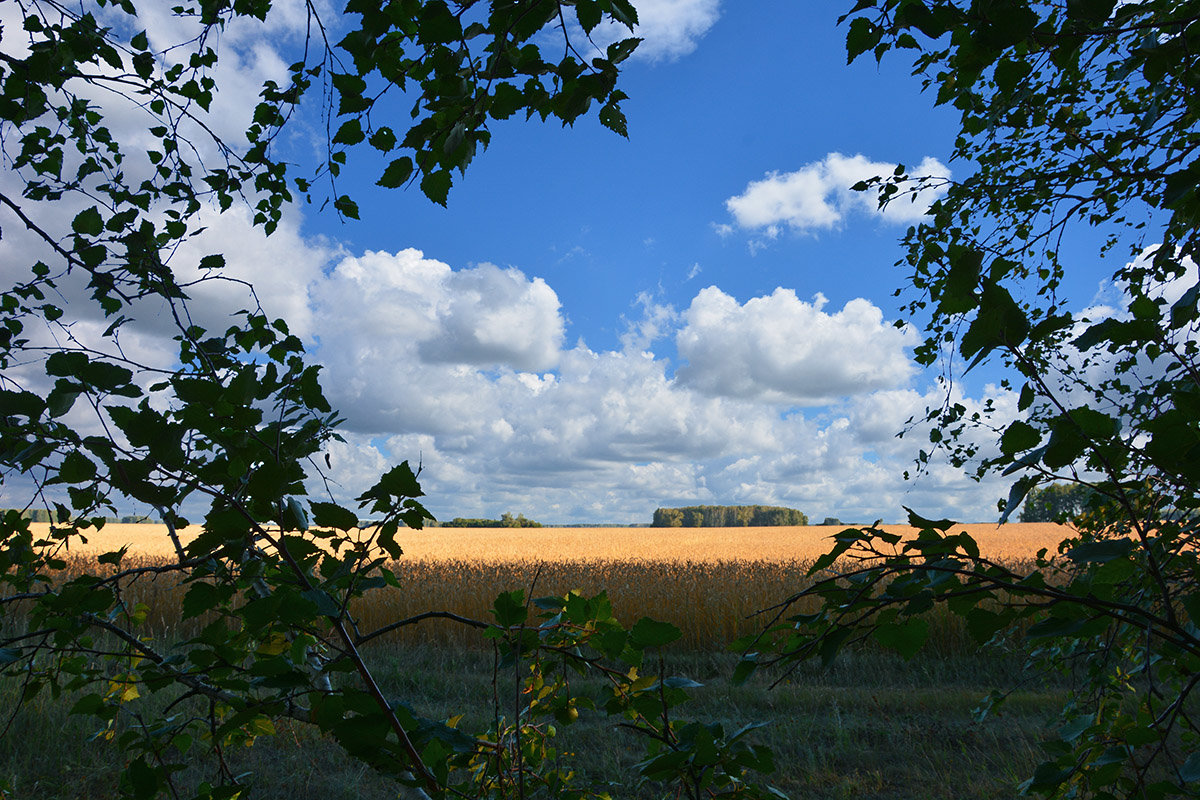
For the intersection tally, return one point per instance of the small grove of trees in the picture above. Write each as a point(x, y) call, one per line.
point(1057, 502)
point(726, 517)
point(506, 520)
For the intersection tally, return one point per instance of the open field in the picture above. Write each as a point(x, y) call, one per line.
point(780, 544)
point(870, 726)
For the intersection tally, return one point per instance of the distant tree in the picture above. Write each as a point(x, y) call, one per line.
point(667, 518)
point(1056, 502)
point(831, 521)
point(507, 520)
point(726, 516)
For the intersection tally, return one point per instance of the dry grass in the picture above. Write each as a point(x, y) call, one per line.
point(676, 545)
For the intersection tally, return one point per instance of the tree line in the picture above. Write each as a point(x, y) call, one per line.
point(506, 520)
point(45, 515)
point(726, 517)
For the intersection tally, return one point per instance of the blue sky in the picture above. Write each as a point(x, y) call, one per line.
point(598, 326)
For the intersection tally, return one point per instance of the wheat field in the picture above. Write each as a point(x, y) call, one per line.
point(710, 582)
point(499, 545)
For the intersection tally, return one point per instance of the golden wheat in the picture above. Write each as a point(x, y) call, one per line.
point(782, 544)
point(715, 584)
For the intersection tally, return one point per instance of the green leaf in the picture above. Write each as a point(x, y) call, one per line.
point(331, 515)
point(510, 609)
point(653, 633)
point(62, 397)
point(680, 682)
point(143, 779)
point(326, 606)
point(88, 222)
point(9, 655)
point(917, 521)
point(746, 667)
point(506, 100)
point(1092, 11)
point(383, 140)
point(199, 598)
point(438, 25)
point(350, 133)
point(1102, 551)
point(346, 207)
point(863, 35)
point(1018, 437)
point(436, 186)
point(76, 468)
point(983, 624)
point(906, 638)
point(292, 516)
point(962, 282)
point(397, 173)
point(999, 323)
point(1191, 604)
point(1189, 771)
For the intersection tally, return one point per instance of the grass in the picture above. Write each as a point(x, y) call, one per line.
point(870, 726)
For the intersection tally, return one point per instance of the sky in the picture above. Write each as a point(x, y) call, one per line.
point(595, 326)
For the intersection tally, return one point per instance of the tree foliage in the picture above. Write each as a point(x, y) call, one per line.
point(1056, 502)
point(507, 520)
point(232, 428)
point(726, 517)
point(1078, 142)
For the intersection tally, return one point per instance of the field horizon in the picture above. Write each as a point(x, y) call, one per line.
point(778, 543)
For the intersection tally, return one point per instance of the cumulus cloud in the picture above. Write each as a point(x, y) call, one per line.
point(818, 196)
point(487, 316)
point(669, 29)
point(781, 349)
point(410, 306)
point(655, 323)
point(673, 28)
point(612, 434)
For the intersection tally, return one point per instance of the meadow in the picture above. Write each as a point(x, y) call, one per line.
point(871, 725)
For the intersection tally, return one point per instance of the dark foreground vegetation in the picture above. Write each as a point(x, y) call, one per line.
point(869, 725)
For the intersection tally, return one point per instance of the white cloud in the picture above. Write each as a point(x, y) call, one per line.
point(404, 306)
point(818, 196)
point(655, 323)
point(610, 435)
point(669, 29)
point(488, 316)
point(781, 349)
point(673, 28)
